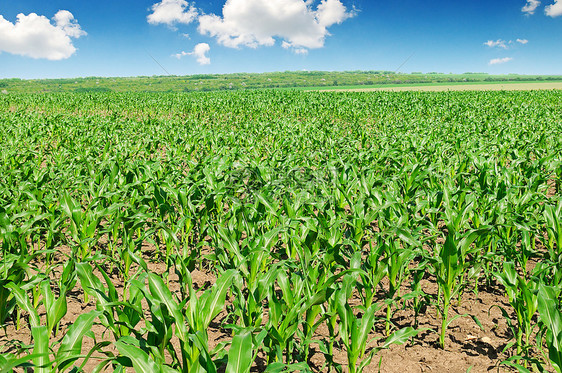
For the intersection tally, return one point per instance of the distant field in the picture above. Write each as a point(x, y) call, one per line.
point(480, 86)
point(288, 80)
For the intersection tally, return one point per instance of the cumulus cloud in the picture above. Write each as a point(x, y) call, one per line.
point(497, 61)
point(331, 12)
point(200, 52)
point(496, 43)
point(504, 44)
point(554, 10)
point(170, 12)
point(37, 37)
point(65, 20)
point(254, 23)
point(531, 6)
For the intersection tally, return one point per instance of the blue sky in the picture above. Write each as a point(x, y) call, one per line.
point(63, 38)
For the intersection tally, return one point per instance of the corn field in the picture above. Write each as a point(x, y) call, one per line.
point(276, 231)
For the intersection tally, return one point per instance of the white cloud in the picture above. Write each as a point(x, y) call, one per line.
point(254, 23)
point(200, 51)
point(180, 55)
point(497, 61)
point(36, 37)
point(496, 43)
point(287, 45)
point(504, 44)
point(65, 20)
point(170, 12)
point(330, 12)
point(554, 10)
point(531, 6)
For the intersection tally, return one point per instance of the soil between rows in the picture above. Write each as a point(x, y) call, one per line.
point(468, 347)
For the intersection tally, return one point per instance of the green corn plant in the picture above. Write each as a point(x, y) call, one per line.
point(23, 301)
point(120, 315)
point(132, 235)
point(83, 225)
point(14, 237)
point(248, 299)
point(244, 349)
point(256, 274)
point(355, 331)
point(419, 299)
point(8, 362)
point(321, 283)
point(201, 311)
point(527, 249)
point(552, 215)
point(361, 219)
point(40, 336)
point(56, 309)
point(286, 313)
point(90, 283)
point(450, 269)
point(395, 261)
point(70, 348)
point(523, 297)
point(374, 271)
point(284, 316)
point(329, 310)
point(13, 270)
point(240, 355)
point(551, 317)
point(168, 317)
point(138, 359)
point(228, 251)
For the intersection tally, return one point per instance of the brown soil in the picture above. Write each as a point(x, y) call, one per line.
point(467, 346)
point(551, 191)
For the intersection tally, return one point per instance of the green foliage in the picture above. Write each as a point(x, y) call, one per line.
point(312, 212)
point(244, 81)
point(551, 317)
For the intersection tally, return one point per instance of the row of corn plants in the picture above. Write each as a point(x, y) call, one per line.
point(320, 216)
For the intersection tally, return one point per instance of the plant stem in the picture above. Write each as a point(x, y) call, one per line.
point(388, 316)
point(444, 320)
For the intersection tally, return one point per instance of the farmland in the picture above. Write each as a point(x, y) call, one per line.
point(439, 87)
point(271, 80)
point(281, 230)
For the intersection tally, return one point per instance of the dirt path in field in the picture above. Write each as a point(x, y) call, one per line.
point(464, 87)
